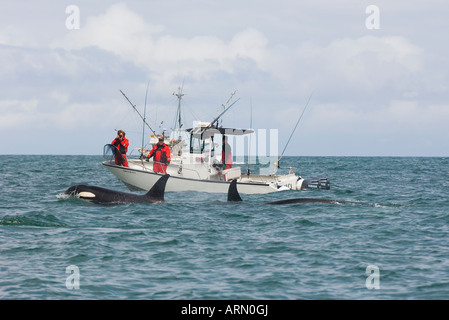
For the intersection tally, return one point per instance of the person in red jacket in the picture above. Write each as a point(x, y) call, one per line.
point(121, 143)
point(226, 154)
point(161, 154)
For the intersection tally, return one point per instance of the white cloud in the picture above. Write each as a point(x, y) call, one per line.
point(362, 80)
point(13, 36)
point(418, 117)
point(29, 114)
point(366, 63)
point(13, 112)
point(118, 30)
point(128, 35)
point(372, 60)
point(399, 117)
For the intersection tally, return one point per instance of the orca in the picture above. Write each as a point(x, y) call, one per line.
point(304, 200)
point(100, 195)
point(233, 195)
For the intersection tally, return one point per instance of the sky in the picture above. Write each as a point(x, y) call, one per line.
point(376, 72)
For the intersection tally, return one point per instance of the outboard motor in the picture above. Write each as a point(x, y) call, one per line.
point(316, 183)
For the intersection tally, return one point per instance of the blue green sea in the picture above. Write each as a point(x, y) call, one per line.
point(389, 240)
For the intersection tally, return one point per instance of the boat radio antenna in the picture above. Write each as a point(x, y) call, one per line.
point(227, 101)
point(135, 109)
point(144, 119)
point(248, 172)
point(225, 109)
point(297, 122)
point(179, 95)
point(215, 120)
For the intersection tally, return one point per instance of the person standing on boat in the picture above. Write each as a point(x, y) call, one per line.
point(226, 154)
point(121, 143)
point(161, 154)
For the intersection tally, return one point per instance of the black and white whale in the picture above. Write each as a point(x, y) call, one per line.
point(304, 200)
point(106, 196)
point(233, 195)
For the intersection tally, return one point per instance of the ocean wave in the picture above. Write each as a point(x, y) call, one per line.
point(46, 220)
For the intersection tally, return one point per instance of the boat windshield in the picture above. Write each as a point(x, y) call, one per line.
point(202, 139)
point(196, 145)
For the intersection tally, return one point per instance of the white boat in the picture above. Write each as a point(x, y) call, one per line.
point(196, 165)
point(200, 169)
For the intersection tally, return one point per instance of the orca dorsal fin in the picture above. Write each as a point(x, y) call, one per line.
point(156, 193)
point(233, 194)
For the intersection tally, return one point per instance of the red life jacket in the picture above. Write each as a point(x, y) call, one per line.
point(161, 153)
point(226, 156)
point(122, 146)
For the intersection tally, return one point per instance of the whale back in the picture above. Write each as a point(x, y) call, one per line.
point(156, 193)
point(233, 194)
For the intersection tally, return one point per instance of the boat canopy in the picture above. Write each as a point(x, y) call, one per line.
point(201, 133)
point(205, 133)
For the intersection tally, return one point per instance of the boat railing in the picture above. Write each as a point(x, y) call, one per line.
point(142, 165)
point(111, 153)
point(136, 153)
point(181, 168)
point(257, 178)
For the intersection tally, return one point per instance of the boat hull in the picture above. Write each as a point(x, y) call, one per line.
point(142, 179)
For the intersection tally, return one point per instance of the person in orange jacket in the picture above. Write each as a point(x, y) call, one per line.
point(161, 154)
point(226, 154)
point(121, 143)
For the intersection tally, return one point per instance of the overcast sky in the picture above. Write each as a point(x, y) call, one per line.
point(378, 79)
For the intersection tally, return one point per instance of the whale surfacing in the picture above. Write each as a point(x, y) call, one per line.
point(304, 200)
point(233, 195)
point(106, 196)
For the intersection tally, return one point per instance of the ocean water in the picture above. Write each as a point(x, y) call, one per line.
point(390, 240)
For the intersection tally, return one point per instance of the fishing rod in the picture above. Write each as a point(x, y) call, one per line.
point(227, 101)
point(297, 122)
point(144, 120)
point(248, 172)
point(135, 109)
point(225, 109)
point(211, 124)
